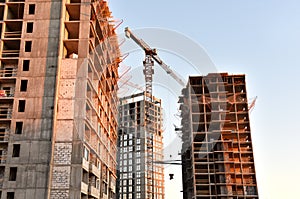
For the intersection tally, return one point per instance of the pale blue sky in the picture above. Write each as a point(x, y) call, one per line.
point(260, 39)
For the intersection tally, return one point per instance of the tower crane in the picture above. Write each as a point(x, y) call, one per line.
point(150, 57)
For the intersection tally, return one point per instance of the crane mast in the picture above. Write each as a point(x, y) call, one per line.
point(150, 57)
point(148, 73)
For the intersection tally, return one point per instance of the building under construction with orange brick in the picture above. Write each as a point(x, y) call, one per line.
point(58, 99)
point(217, 154)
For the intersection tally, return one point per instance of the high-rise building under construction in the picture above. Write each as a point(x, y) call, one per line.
point(58, 103)
point(217, 154)
point(140, 172)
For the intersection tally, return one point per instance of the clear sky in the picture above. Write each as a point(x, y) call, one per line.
point(260, 39)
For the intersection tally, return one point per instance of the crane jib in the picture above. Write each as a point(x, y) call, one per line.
point(152, 53)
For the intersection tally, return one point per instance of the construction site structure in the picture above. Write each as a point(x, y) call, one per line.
point(58, 99)
point(140, 147)
point(217, 153)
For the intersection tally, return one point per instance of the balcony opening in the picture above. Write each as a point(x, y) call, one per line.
point(19, 127)
point(31, 10)
point(71, 30)
point(16, 150)
point(13, 173)
point(23, 87)
point(15, 11)
point(73, 12)
point(11, 48)
point(85, 177)
point(21, 107)
point(71, 49)
point(26, 64)
point(13, 29)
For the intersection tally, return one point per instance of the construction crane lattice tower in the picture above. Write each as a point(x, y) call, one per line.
point(148, 63)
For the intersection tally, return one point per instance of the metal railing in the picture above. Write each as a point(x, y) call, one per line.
point(15, 34)
point(5, 113)
point(10, 53)
point(4, 136)
point(8, 72)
